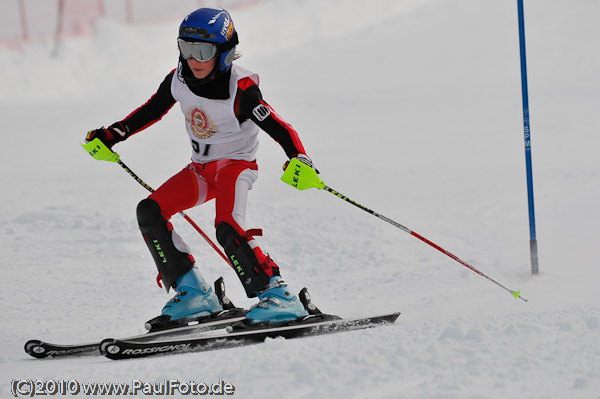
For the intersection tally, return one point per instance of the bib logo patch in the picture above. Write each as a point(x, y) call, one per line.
point(201, 124)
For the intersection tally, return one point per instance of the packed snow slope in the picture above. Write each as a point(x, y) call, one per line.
point(413, 109)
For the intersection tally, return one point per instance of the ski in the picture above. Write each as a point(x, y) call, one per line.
point(241, 335)
point(40, 349)
point(158, 327)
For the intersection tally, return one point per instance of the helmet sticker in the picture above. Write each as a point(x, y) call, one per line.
point(214, 19)
point(227, 30)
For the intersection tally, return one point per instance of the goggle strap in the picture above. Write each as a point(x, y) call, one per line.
point(229, 44)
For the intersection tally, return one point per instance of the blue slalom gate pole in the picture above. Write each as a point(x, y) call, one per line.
point(527, 136)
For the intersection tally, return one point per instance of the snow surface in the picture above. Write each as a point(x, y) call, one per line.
point(412, 108)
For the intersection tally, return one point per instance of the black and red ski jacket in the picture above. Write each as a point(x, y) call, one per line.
point(248, 97)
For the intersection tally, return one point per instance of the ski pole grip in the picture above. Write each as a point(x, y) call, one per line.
point(301, 176)
point(99, 151)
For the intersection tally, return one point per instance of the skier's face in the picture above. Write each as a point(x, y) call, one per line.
point(201, 69)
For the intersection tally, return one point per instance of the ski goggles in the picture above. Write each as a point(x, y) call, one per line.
point(200, 51)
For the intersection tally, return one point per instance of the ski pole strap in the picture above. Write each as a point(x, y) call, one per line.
point(99, 151)
point(301, 176)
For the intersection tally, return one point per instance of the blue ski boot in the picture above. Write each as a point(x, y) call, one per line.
point(194, 298)
point(277, 304)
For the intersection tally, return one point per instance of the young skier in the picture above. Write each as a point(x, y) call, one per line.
point(223, 109)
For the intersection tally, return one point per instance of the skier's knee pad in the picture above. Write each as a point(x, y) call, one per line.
point(148, 213)
point(242, 258)
point(158, 234)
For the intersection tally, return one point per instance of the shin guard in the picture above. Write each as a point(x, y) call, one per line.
point(171, 262)
point(242, 258)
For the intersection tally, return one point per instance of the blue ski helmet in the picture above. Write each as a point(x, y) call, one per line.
point(214, 26)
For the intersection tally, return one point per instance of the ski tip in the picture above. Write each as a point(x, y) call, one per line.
point(107, 346)
point(35, 348)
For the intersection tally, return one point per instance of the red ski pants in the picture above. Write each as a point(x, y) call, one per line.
point(228, 182)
